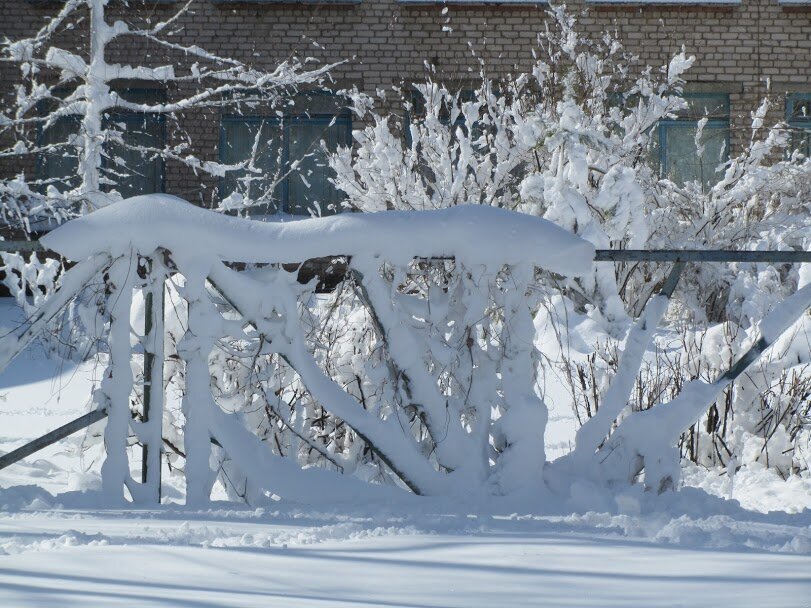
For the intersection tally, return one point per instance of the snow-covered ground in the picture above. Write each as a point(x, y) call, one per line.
point(58, 549)
point(298, 559)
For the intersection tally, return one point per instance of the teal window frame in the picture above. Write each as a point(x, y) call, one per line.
point(798, 117)
point(718, 121)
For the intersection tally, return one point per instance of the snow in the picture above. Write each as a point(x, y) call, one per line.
point(395, 550)
point(297, 558)
point(755, 487)
point(476, 233)
point(37, 395)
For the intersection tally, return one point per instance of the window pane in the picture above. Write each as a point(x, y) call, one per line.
point(59, 167)
point(131, 171)
point(679, 159)
point(128, 171)
point(295, 172)
point(799, 109)
point(801, 141)
point(798, 114)
point(682, 162)
point(239, 138)
point(309, 187)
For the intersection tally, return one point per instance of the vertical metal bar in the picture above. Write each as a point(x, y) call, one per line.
point(148, 360)
point(153, 384)
point(672, 280)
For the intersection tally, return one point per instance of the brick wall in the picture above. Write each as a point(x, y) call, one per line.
point(738, 48)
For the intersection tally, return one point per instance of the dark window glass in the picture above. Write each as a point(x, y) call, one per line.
point(125, 169)
point(289, 172)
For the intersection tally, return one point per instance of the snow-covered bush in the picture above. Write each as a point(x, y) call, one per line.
point(421, 371)
point(571, 140)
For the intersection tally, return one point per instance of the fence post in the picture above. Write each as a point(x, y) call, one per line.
point(153, 384)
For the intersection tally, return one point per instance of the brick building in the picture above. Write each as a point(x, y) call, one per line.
point(743, 50)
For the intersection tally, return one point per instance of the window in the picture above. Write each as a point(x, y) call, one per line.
point(293, 174)
point(679, 157)
point(798, 116)
point(131, 171)
point(59, 166)
point(461, 96)
point(124, 169)
point(447, 112)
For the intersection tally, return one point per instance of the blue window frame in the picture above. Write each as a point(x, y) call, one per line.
point(679, 159)
point(293, 173)
point(798, 117)
point(128, 171)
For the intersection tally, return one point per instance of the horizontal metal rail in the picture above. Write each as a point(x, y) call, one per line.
point(600, 255)
point(700, 255)
point(49, 438)
point(20, 246)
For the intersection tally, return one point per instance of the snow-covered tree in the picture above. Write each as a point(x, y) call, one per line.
point(555, 141)
point(73, 101)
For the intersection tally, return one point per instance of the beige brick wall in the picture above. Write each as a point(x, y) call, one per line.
point(737, 48)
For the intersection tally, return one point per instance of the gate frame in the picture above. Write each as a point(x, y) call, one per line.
point(153, 321)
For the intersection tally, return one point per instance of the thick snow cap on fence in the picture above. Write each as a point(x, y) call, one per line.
point(476, 234)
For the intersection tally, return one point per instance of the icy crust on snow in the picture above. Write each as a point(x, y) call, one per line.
point(476, 234)
point(193, 533)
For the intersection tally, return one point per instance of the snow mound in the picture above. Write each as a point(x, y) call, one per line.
point(24, 497)
point(476, 234)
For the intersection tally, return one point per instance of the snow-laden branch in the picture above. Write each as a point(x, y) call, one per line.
point(646, 440)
